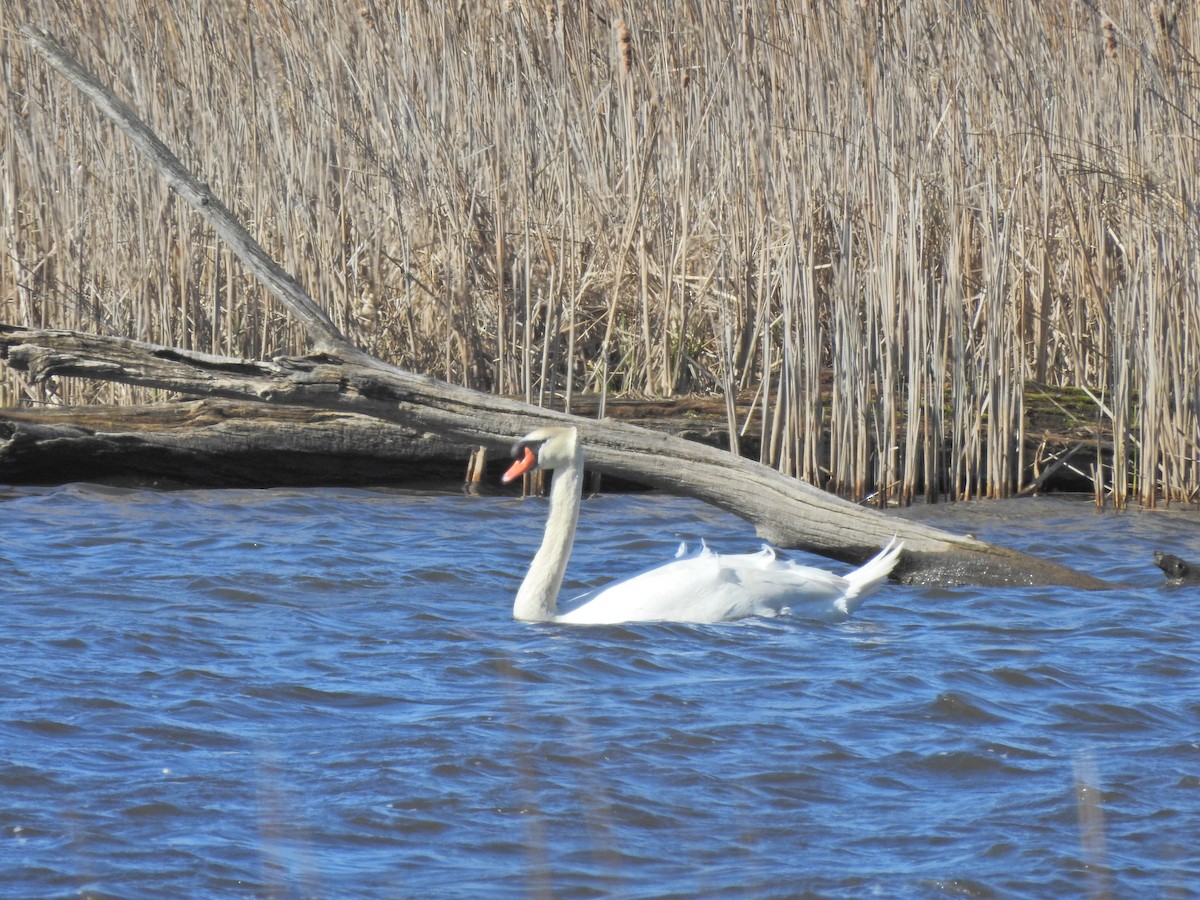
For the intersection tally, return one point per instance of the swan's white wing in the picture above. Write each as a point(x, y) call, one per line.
point(694, 589)
point(710, 587)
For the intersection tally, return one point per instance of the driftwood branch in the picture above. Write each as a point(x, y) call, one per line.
point(286, 289)
point(342, 378)
point(784, 511)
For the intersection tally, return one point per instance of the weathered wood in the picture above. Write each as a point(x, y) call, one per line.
point(286, 289)
point(218, 443)
point(784, 511)
point(214, 442)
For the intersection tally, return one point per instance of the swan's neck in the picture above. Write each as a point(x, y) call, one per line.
point(537, 600)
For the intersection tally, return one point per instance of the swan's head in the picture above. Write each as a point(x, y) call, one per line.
point(545, 448)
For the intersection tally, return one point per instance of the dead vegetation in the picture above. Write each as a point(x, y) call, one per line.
point(880, 225)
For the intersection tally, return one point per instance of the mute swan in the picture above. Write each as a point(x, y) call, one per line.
point(706, 587)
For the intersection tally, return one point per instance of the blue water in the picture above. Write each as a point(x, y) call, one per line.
point(321, 693)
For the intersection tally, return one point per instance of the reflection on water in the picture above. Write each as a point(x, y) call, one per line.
point(320, 693)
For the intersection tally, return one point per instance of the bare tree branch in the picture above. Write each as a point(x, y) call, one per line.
point(286, 289)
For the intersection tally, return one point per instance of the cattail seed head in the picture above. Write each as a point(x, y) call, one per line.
point(625, 43)
point(1110, 37)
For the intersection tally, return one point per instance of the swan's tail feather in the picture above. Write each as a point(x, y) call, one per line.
point(867, 577)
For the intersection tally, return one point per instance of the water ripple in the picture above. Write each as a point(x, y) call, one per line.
point(316, 693)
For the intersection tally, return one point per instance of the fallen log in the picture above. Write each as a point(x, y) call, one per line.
point(342, 378)
point(209, 442)
point(219, 443)
point(225, 443)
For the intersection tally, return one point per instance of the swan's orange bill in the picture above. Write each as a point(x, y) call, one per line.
point(520, 467)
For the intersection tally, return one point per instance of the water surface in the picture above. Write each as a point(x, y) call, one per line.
point(322, 693)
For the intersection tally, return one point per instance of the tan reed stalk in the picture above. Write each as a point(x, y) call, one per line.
point(899, 215)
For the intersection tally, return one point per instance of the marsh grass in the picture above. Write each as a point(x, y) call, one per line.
point(880, 224)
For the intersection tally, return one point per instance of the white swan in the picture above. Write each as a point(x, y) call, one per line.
point(706, 587)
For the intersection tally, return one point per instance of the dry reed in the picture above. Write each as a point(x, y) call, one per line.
point(881, 224)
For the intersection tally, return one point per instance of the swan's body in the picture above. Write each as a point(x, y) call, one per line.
point(706, 587)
